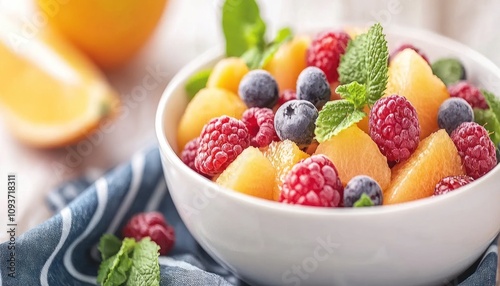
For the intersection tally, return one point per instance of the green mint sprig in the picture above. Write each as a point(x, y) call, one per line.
point(244, 32)
point(363, 73)
point(364, 201)
point(490, 118)
point(128, 262)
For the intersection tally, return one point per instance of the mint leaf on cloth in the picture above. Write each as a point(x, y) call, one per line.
point(113, 271)
point(145, 269)
point(109, 245)
point(354, 93)
point(196, 82)
point(365, 61)
point(334, 117)
point(242, 26)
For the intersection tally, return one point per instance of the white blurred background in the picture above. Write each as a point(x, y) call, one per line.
point(190, 27)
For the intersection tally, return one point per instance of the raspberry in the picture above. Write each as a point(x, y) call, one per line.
point(470, 93)
point(221, 141)
point(408, 46)
point(394, 127)
point(325, 52)
point(154, 225)
point(188, 154)
point(313, 182)
point(260, 125)
point(287, 95)
point(451, 183)
point(475, 148)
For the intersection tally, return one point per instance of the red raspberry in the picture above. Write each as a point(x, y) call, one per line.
point(470, 93)
point(154, 225)
point(188, 154)
point(260, 125)
point(409, 46)
point(287, 95)
point(221, 141)
point(313, 182)
point(394, 127)
point(325, 52)
point(451, 183)
point(475, 148)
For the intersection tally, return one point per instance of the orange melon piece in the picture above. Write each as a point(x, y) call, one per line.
point(283, 156)
point(435, 158)
point(251, 173)
point(364, 123)
point(227, 74)
point(288, 62)
point(411, 76)
point(354, 153)
point(207, 104)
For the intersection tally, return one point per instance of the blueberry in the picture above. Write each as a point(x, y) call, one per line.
point(258, 88)
point(449, 70)
point(359, 185)
point(453, 112)
point(313, 86)
point(295, 120)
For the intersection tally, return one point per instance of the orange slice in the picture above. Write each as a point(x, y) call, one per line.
point(50, 94)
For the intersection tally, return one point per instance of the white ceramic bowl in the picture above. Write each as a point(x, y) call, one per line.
point(424, 242)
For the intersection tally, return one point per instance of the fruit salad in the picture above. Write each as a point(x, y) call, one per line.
point(337, 120)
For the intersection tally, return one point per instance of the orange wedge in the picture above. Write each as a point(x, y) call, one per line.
point(50, 94)
point(435, 158)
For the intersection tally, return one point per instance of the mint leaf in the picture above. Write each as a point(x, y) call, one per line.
point(334, 117)
point(364, 201)
point(354, 93)
point(145, 269)
point(449, 70)
point(109, 245)
point(353, 62)
point(104, 269)
point(242, 26)
point(493, 102)
point(252, 58)
point(489, 120)
point(365, 61)
point(284, 35)
point(113, 271)
point(376, 63)
point(197, 82)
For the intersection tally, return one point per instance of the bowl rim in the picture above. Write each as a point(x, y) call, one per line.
point(215, 53)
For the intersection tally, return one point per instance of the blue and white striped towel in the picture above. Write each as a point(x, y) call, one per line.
point(62, 251)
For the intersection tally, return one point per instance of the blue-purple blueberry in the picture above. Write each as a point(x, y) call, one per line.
point(295, 120)
point(362, 191)
point(258, 88)
point(453, 112)
point(313, 86)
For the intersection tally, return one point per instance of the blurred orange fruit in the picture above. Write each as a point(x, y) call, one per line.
point(109, 31)
point(51, 95)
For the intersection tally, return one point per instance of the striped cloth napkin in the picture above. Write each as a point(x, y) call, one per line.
point(63, 250)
